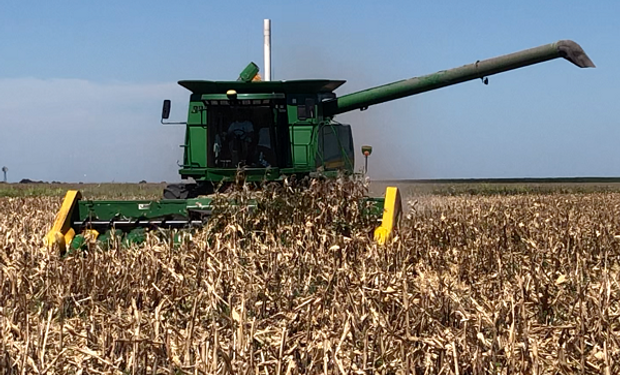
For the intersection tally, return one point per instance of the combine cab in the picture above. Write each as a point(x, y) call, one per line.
point(267, 131)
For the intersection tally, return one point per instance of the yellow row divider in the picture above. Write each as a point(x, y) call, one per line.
point(392, 208)
point(61, 233)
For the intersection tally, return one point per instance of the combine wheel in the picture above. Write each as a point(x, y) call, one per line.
point(180, 191)
point(186, 191)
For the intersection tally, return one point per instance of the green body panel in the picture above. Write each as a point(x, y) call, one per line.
point(195, 147)
point(303, 147)
point(291, 112)
point(145, 210)
point(89, 210)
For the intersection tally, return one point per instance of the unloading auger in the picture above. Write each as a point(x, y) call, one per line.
point(272, 130)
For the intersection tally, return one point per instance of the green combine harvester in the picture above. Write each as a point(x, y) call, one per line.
point(269, 130)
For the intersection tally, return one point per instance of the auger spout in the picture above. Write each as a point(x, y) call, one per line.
point(567, 49)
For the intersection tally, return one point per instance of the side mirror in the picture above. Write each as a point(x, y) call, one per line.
point(165, 111)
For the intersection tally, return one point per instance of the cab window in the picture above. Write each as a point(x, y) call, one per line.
point(335, 147)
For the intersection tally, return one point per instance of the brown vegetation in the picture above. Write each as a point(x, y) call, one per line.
point(478, 285)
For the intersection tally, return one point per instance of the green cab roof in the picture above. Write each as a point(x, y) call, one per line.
point(288, 87)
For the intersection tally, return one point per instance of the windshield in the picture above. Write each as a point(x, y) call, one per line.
point(242, 136)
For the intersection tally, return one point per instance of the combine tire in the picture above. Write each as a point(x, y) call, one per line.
point(180, 191)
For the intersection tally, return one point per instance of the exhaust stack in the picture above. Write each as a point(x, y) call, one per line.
point(267, 48)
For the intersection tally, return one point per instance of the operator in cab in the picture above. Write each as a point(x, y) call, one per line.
point(241, 139)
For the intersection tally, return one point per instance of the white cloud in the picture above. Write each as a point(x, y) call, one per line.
point(77, 130)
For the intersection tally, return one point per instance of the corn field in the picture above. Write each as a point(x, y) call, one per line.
point(469, 285)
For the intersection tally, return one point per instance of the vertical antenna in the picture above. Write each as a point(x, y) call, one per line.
point(267, 44)
point(366, 151)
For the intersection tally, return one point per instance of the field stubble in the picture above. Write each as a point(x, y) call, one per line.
point(471, 285)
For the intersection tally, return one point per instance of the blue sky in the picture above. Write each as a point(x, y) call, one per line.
point(81, 82)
